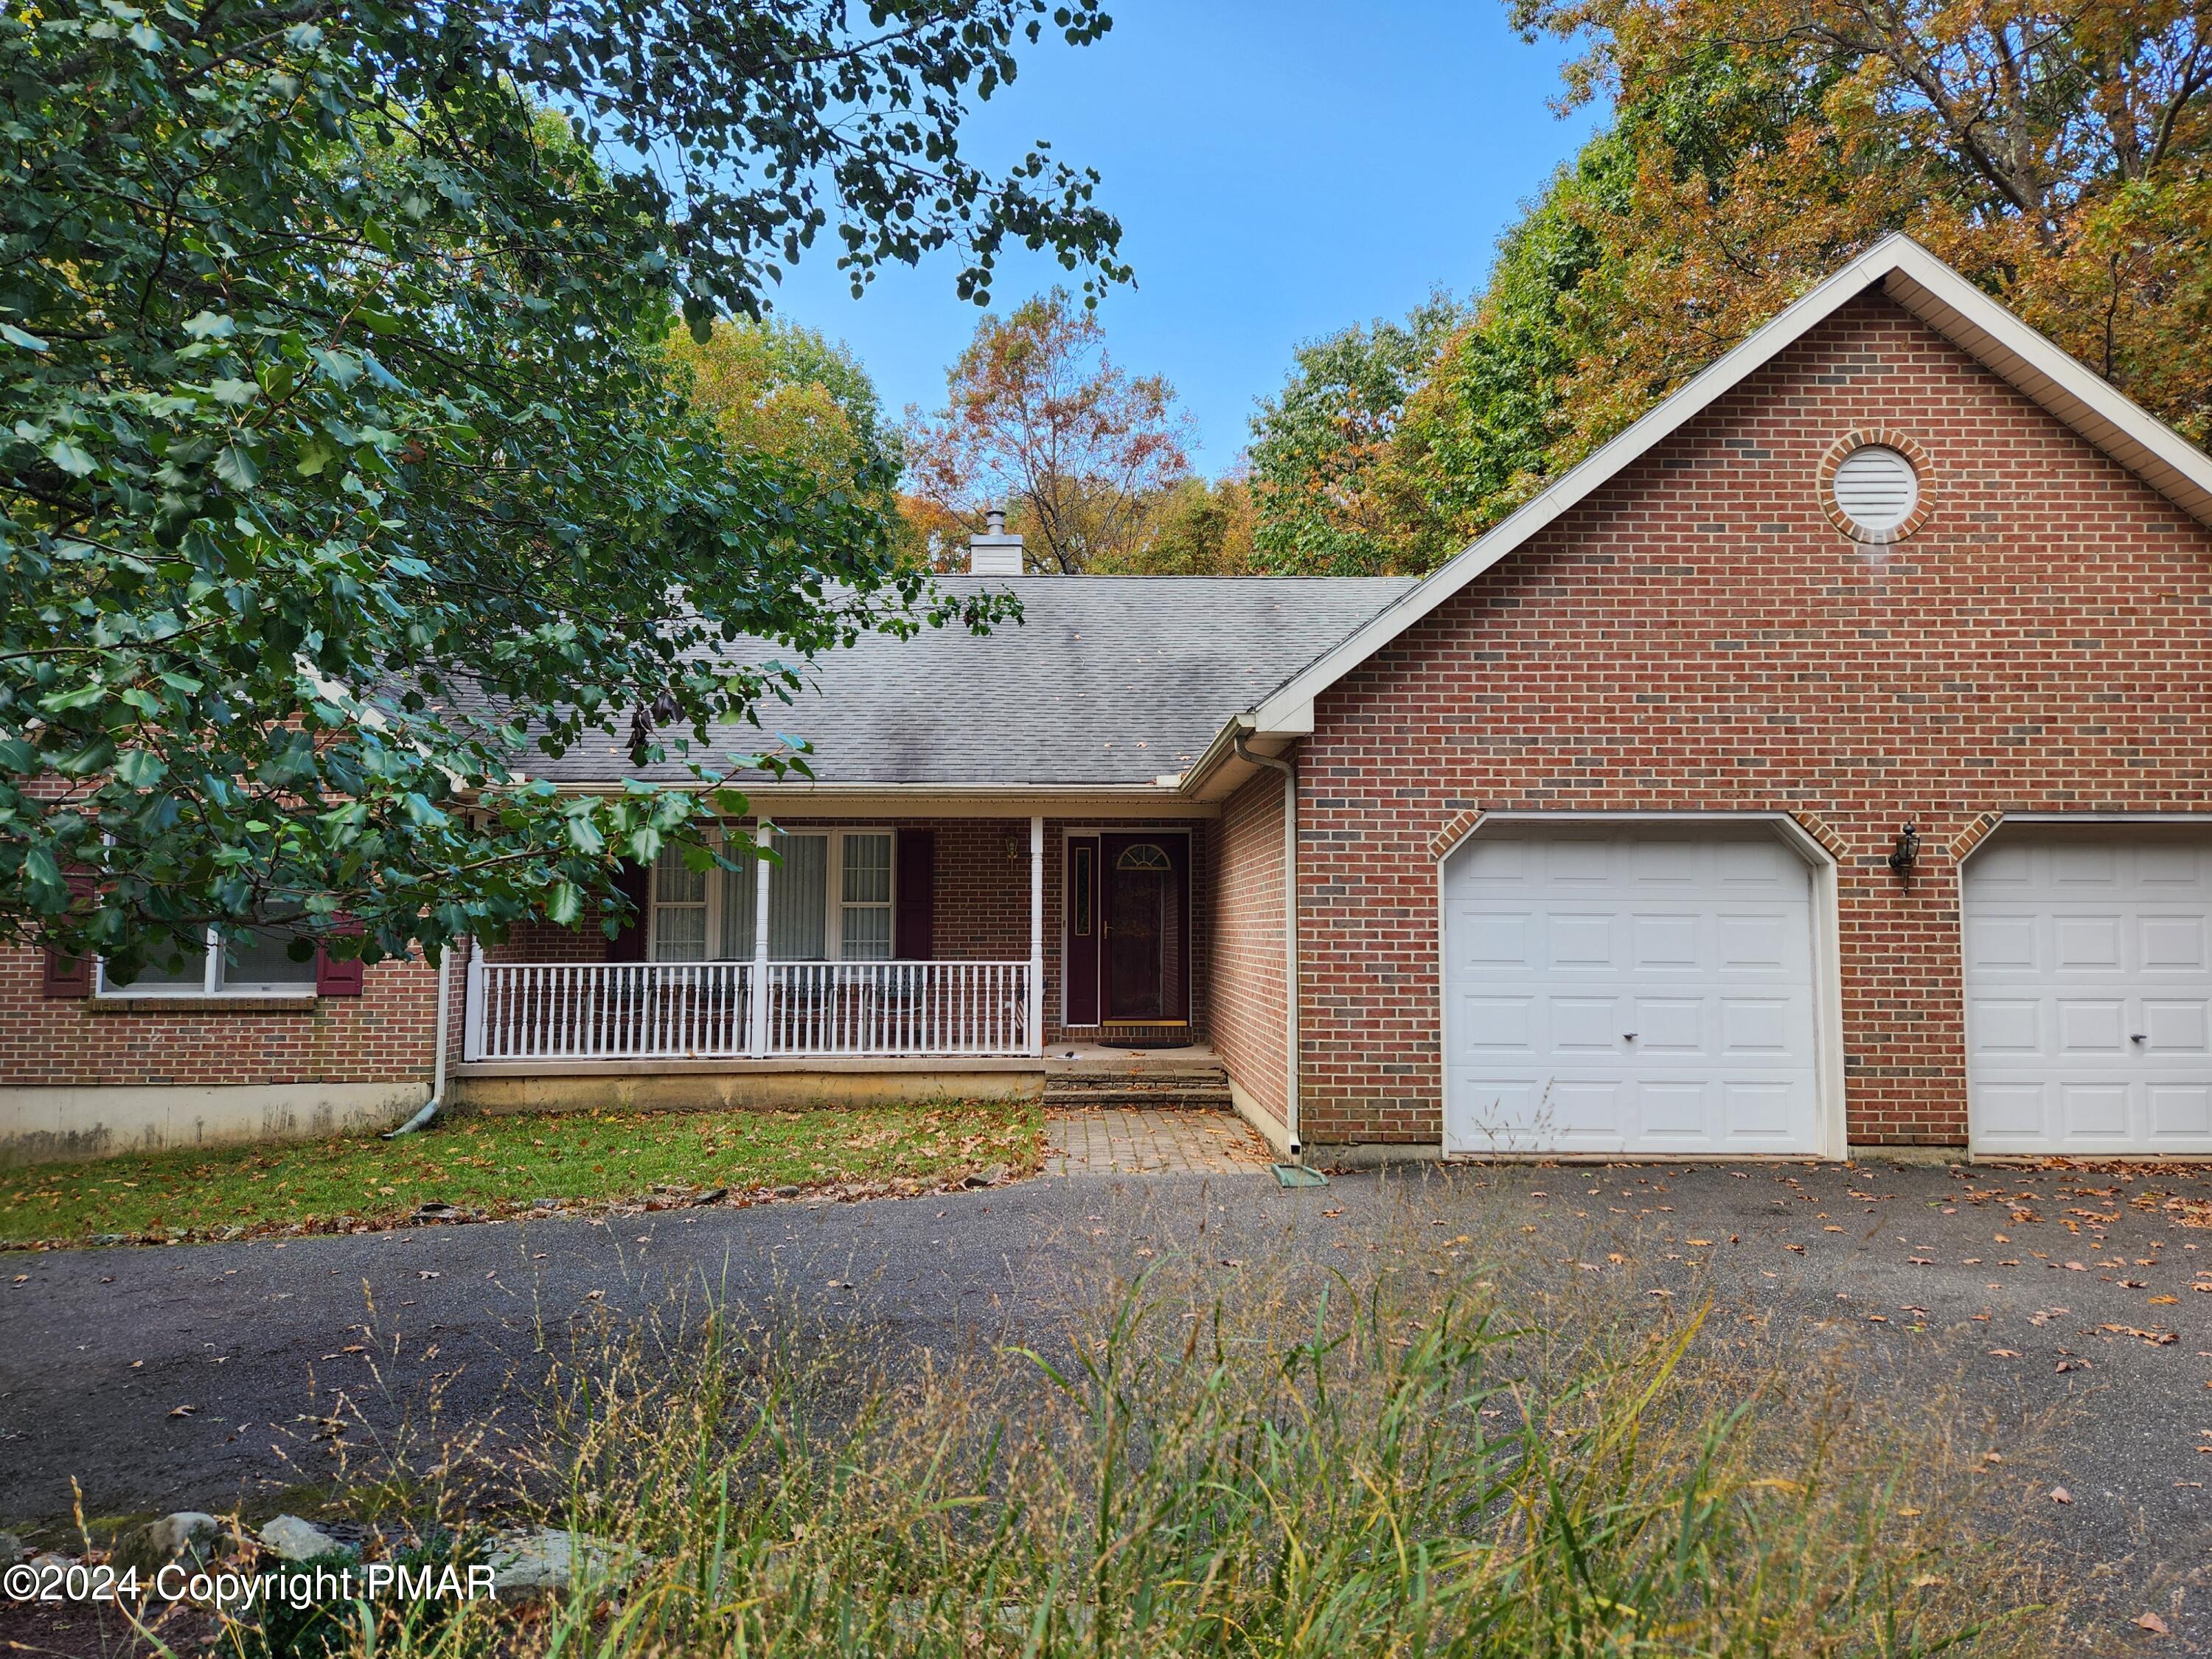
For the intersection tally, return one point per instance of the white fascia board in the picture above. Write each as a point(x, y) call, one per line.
point(1920, 282)
point(2072, 391)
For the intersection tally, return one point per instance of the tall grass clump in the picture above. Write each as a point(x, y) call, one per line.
point(1410, 1462)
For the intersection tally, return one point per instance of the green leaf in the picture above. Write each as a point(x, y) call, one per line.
point(71, 460)
point(236, 467)
point(564, 904)
point(141, 768)
point(42, 871)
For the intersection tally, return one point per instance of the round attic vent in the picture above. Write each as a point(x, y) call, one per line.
point(1876, 488)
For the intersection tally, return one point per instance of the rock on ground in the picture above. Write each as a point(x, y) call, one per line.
point(550, 1560)
point(298, 1540)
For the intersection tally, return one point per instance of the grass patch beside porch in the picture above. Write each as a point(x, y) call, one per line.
point(503, 1165)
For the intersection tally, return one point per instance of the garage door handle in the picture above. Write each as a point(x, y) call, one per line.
point(1628, 1037)
point(2140, 1036)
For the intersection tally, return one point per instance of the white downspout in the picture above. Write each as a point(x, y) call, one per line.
point(438, 1051)
point(1290, 771)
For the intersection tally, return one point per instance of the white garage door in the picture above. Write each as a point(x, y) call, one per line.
point(2087, 992)
point(1643, 990)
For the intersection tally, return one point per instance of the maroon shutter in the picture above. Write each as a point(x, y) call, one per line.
point(634, 882)
point(66, 976)
point(69, 977)
point(335, 977)
point(913, 927)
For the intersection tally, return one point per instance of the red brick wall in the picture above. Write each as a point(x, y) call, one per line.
point(1249, 1026)
point(383, 1035)
point(1697, 636)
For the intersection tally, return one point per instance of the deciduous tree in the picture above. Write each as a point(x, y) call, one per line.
point(775, 388)
point(342, 478)
point(1317, 445)
point(1039, 419)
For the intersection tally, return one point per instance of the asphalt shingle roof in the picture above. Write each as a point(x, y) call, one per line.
point(1106, 680)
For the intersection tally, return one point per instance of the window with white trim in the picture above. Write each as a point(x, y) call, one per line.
point(830, 899)
point(238, 962)
point(863, 924)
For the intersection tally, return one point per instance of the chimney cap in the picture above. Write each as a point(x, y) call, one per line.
point(994, 552)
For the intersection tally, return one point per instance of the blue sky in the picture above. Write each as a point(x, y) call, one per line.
point(1281, 170)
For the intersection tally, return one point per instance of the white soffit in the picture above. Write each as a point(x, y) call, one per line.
point(1923, 285)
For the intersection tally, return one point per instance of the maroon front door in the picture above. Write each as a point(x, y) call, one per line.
point(1143, 948)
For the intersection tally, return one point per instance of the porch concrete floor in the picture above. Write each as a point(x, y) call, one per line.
point(1102, 1058)
point(1152, 1140)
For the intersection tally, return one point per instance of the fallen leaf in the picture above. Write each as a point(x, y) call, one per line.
point(1700, 1243)
point(2005, 1353)
point(2154, 1624)
point(2060, 1495)
point(426, 1273)
point(183, 1411)
point(2164, 1301)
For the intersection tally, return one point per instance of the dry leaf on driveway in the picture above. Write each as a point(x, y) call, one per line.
point(2154, 1624)
point(2060, 1495)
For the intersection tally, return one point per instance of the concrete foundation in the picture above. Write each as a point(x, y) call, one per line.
point(714, 1086)
point(43, 1125)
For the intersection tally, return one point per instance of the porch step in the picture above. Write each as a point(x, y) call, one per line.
point(1205, 1090)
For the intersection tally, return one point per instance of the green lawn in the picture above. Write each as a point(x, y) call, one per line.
point(501, 1165)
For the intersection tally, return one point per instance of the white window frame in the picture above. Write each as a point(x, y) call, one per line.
point(833, 925)
point(213, 986)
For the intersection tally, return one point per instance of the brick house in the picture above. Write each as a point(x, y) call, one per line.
point(1827, 761)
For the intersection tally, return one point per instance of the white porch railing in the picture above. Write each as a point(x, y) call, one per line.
point(709, 1011)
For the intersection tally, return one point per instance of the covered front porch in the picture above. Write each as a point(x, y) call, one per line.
point(917, 940)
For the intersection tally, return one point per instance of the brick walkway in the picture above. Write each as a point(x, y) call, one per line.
point(1151, 1141)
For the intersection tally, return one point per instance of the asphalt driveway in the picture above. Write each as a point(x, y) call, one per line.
point(202, 1376)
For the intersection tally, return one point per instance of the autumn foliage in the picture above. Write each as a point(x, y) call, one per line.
point(2056, 156)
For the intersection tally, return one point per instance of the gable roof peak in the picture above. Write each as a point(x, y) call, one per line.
point(1906, 273)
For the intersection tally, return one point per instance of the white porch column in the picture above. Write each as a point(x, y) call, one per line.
point(472, 1006)
point(756, 1038)
point(1037, 935)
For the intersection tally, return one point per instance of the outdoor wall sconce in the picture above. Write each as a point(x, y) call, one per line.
point(1905, 854)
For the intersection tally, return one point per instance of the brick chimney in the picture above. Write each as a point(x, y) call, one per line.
point(995, 553)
